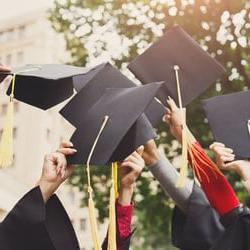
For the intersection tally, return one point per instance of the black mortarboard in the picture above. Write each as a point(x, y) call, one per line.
point(90, 87)
point(123, 107)
point(177, 53)
point(44, 86)
point(229, 118)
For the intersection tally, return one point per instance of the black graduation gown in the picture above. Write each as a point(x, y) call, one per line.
point(237, 234)
point(34, 225)
point(200, 227)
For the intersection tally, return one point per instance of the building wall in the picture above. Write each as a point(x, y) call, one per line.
point(29, 39)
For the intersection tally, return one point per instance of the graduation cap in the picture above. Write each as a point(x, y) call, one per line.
point(44, 86)
point(177, 55)
point(98, 136)
point(90, 87)
point(187, 71)
point(122, 106)
point(229, 118)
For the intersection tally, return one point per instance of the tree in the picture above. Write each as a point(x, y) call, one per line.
point(119, 30)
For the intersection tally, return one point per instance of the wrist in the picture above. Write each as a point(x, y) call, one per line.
point(242, 168)
point(153, 159)
point(47, 189)
point(125, 195)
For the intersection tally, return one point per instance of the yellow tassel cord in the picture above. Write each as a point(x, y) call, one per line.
point(112, 211)
point(6, 144)
point(184, 162)
point(188, 146)
point(91, 205)
point(199, 157)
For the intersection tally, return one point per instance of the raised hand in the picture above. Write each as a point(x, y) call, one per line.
point(55, 170)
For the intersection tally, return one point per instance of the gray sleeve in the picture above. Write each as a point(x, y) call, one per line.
point(167, 176)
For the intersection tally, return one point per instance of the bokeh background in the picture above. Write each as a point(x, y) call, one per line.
point(86, 33)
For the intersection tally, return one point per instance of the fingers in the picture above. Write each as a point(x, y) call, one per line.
point(226, 158)
point(66, 145)
point(171, 103)
point(140, 150)
point(4, 68)
point(67, 151)
point(216, 144)
point(66, 148)
point(222, 153)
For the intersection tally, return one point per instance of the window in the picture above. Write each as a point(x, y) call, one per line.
point(16, 107)
point(10, 34)
point(9, 59)
point(71, 195)
point(20, 57)
point(48, 134)
point(2, 37)
point(4, 109)
point(14, 133)
point(21, 31)
point(83, 223)
point(13, 160)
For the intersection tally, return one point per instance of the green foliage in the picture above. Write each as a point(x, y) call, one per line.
point(220, 26)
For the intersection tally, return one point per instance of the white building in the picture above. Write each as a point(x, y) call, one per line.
point(29, 39)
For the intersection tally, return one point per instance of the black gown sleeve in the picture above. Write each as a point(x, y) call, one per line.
point(123, 244)
point(237, 233)
point(200, 227)
point(34, 225)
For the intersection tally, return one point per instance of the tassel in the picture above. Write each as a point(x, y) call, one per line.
point(93, 221)
point(91, 205)
point(115, 171)
point(6, 144)
point(112, 211)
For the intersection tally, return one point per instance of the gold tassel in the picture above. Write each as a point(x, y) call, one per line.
point(184, 161)
point(91, 205)
point(6, 144)
point(112, 211)
point(93, 221)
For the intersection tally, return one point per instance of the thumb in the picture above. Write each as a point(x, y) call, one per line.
point(140, 150)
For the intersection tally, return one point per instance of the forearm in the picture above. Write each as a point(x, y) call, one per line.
point(167, 176)
point(47, 189)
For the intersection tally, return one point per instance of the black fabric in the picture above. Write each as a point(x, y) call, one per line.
point(124, 107)
point(200, 228)
point(45, 85)
point(198, 70)
point(229, 118)
point(124, 243)
point(90, 87)
point(33, 226)
point(237, 234)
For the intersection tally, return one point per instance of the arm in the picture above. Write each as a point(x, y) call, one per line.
point(167, 176)
point(129, 171)
point(214, 184)
point(38, 218)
